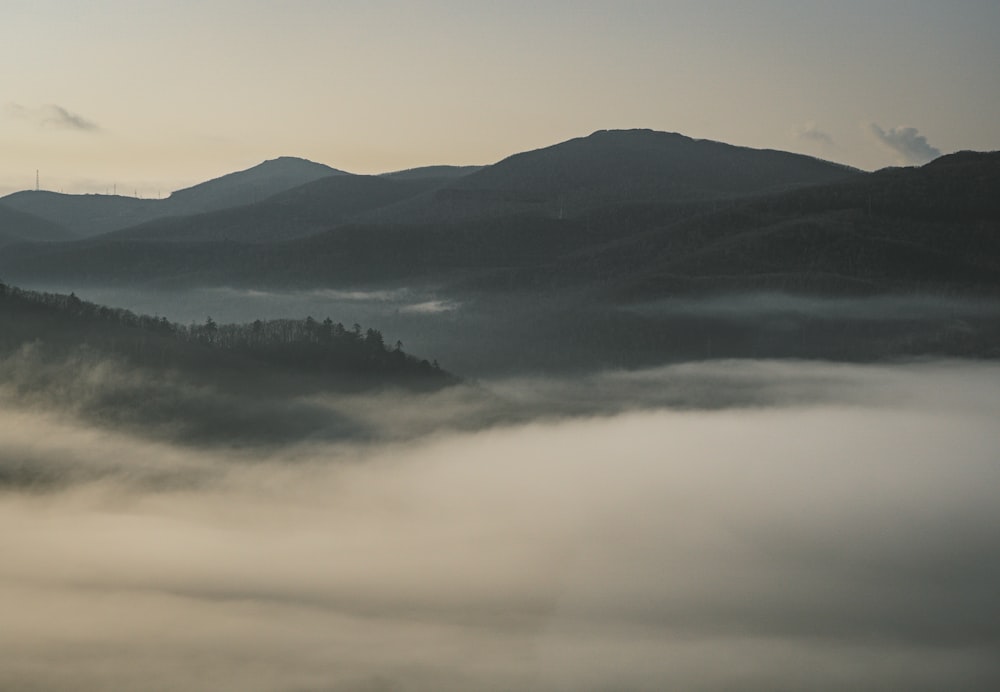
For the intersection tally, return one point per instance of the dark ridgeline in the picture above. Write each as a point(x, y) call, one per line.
point(614, 166)
point(330, 355)
point(611, 168)
point(305, 210)
point(569, 238)
point(251, 185)
point(928, 229)
point(630, 214)
point(88, 215)
point(437, 172)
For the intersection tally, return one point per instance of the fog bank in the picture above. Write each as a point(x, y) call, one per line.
point(824, 527)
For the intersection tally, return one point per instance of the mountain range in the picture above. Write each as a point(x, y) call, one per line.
point(89, 215)
point(636, 214)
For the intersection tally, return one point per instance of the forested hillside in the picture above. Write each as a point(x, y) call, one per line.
point(93, 214)
point(307, 209)
point(19, 227)
point(336, 356)
point(658, 214)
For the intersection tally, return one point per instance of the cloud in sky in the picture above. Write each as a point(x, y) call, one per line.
point(53, 116)
point(910, 146)
point(811, 133)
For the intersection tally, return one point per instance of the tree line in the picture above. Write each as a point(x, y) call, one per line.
point(303, 344)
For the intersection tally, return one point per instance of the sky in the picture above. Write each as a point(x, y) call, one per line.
point(149, 96)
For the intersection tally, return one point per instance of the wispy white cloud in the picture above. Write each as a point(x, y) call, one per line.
point(910, 146)
point(53, 116)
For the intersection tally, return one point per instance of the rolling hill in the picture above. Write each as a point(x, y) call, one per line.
point(738, 219)
point(19, 227)
point(439, 172)
point(89, 215)
point(305, 210)
point(614, 167)
point(249, 186)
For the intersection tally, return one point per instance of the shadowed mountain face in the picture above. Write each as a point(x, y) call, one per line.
point(440, 172)
point(933, 227)
point(252, 185)
point(642, 216)
point(305, 210)
point(929, 228)
point(612, 167)
point(88, 215)
point(643, 165)
point(19, 227)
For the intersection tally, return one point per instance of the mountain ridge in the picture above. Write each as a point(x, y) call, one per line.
point(895, 228)
point(93, 214)
point(614, 166)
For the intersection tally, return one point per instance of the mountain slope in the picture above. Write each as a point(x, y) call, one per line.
point(63, 323)
point(231, 384)
point(614, 167)
point(85, 215)
point(18, 227)
point(931, 228)
point(249, 186)
point(301, 211)
point(440, 172)
point(88, 215)
point(937, 225)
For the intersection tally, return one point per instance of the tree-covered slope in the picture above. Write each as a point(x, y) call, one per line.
point(326, 351)
point(89, 215)
point(614, 167)
point(301, 211)
point(19, 227)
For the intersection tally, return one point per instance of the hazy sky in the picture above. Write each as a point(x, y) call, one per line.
point(155, 95)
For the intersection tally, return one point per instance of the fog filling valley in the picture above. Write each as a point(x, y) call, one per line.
point(730, 525)
point(492, 334)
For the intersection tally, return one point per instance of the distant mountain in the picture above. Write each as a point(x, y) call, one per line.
point(640, 214)
point(301, 211)
point(18, 227)
point(88, 215)
point(249, 186)
point(614, 167)
point(440, 172)
point(935, 226)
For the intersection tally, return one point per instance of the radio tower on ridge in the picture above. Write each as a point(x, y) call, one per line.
point(36, 180)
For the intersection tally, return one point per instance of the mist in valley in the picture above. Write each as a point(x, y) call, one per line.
point(715, 525)
point(460, 347)
point(482, 333)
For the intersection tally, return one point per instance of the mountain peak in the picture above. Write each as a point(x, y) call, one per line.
point(636, 132)
point(643, 165)
point(295, 162)
point(300, 170)
point(253, 184)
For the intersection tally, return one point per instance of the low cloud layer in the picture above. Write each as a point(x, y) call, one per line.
point(910, 147)
point(836, 530)
point(52, 116)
